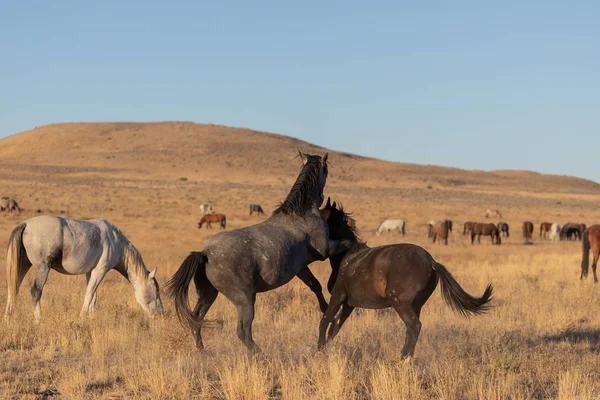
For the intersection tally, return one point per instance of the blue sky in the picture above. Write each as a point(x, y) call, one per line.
point(471, 84)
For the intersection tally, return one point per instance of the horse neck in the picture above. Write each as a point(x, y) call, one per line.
point(133, 265)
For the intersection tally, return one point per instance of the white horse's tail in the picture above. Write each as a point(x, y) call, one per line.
point(17, 265)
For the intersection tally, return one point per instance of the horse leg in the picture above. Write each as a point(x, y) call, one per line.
point(335, 327)
point(245, 309)
point(413, 327)
point(594, 263)
point(94, 280)
point(207, 294)
point(335, 302)
point(313, 283)
point(41, 276)
point(93, 302)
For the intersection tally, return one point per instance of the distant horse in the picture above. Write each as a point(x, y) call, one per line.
point(467, 227)
point(490, 230)
point(503, 228)
point(389, 225)
point(491, 213)
point(9, 204)
point(243, 262)
point(545, 229)
point(75, 247)
point(401, 276)
point(591, 240)
point(208, 219)
point(572, 231)
point(527, 231)
point(555, 232)
point(257, 209)
point(440, 231)
point(434, 222)
point(206, 209)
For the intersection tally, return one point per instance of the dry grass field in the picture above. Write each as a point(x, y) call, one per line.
point(540, 340)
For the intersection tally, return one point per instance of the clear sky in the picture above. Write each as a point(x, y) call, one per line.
point(472, 84)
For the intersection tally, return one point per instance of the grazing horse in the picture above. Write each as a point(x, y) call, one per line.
point(440, 231)
point(490, 230)
point(389, 225)
point(6, 203)
point(401, 276)
point(257, 209)
point(572, 231)
point(528, 231)
point(503, 228)
point(208, 219)
point(591, 240)
point(467, 227)
point(545, 229)
point(75, 247)
point(243, 262)
point(491, 213)
point(206, 209)
point(555, 232)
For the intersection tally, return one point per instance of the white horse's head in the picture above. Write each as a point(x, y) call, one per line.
point(147, 295)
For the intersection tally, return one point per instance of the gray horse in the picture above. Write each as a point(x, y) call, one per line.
point(256, 208)
point(74, 247)
point(258, 258)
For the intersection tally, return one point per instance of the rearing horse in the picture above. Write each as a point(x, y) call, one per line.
point(258, 258)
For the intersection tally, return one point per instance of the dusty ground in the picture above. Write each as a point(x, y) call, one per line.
point(541, 340)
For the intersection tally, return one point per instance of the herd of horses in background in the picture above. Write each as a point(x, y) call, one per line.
point(239, 263)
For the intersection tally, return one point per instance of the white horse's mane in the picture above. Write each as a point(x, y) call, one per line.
point(131, 258)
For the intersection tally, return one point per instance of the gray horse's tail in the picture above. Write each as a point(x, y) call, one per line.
point(459, 300)
point(17, 265)
point(177, 287)
point(585, 261)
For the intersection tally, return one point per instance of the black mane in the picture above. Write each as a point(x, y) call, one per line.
point(343, 225)
point(299, 200)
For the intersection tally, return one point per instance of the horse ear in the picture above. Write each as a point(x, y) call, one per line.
point(152, 274)
point(325, 158)
point(334, 204)
point(302, 156)
point(328, 205)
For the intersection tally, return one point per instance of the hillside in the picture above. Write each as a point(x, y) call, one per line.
point(173, 150)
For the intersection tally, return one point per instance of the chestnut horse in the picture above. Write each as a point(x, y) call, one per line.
point(545, 229)
point(591, 240)
point(220, 218)
point(467, 227)
point(527, 231)
point(490, 230)
point(401, 276)
point(440, 231)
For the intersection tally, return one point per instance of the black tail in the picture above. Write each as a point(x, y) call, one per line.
point(585, 262)
point(177, 287)
point(429, 231)
point(459, 300)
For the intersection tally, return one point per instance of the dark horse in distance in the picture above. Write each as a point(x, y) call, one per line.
point(504, 229)
point(490, 230)
point(256, 208)
point(591, 241)
point(243, 262)
point(401, 276)
point(528, 231)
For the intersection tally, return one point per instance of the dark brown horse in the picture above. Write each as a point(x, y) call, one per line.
point(401, 276)
point(208, 219)
point(440, 230)
point(467, 227)
point(504, 229)
point(545, 229)
point(490, 230)
point(591, 240)
point(528, 231)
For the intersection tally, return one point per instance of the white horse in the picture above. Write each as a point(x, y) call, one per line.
point(389, 225)
point(75, 247)
point(555, 232)
point(206, 209)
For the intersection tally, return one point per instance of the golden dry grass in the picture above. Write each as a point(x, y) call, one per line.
point(541, 340)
